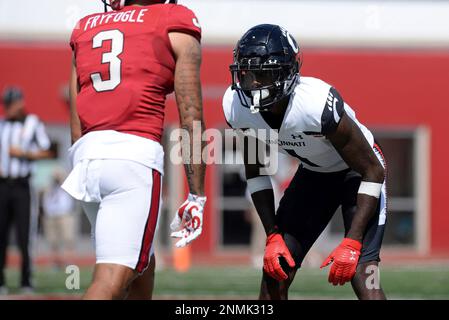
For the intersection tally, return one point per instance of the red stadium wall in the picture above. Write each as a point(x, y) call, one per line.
point(386, 87)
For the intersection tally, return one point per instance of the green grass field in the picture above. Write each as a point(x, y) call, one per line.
point(243, 283)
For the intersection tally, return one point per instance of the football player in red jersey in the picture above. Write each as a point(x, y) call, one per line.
point(125, 63)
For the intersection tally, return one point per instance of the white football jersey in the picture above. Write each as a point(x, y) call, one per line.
point(314, 110)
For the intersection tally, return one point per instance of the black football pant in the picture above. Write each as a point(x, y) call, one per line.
point(15, 205)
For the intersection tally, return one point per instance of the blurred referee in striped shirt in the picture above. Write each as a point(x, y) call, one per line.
point(22, 140)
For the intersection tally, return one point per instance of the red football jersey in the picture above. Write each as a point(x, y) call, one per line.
point(125, 67)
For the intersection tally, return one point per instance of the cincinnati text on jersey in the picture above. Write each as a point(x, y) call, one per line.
point(283, 143)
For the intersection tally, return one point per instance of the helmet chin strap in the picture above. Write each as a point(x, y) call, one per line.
point(257, 96)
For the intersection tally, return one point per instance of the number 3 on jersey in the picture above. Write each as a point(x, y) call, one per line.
point(111, 58)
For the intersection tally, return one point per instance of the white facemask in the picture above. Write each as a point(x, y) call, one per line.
point(257, 96)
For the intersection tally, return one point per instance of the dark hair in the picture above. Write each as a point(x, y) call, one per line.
point(11, 95)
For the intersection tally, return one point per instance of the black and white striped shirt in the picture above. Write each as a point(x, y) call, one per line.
point(29, 135)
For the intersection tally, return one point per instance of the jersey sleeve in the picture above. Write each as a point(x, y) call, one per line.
point(332, 112)
point(181, 19)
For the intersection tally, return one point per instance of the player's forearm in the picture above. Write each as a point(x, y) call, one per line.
point(260, 189)
point(366, 204)
point(190, 106)
point(189, 98)
point(366, 208)
point(355, 150)
point(192, 152)
point(262, 195)
point(195, 178)
point(264, 202)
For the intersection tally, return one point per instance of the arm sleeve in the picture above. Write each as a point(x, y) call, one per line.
point(333, 112)
point(182, 19)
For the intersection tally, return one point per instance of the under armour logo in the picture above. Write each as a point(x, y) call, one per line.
point(296, 136)
point(353, 253)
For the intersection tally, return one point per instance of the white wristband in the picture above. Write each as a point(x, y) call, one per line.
point(258, 184)
point(371, 189)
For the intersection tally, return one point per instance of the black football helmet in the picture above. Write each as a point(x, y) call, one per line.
point(266, 66)
point(120, 4)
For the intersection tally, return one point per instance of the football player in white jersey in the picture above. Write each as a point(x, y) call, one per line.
point(341, 165)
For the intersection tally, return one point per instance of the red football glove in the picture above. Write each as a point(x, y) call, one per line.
point(274, 249)
point(345, 258)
